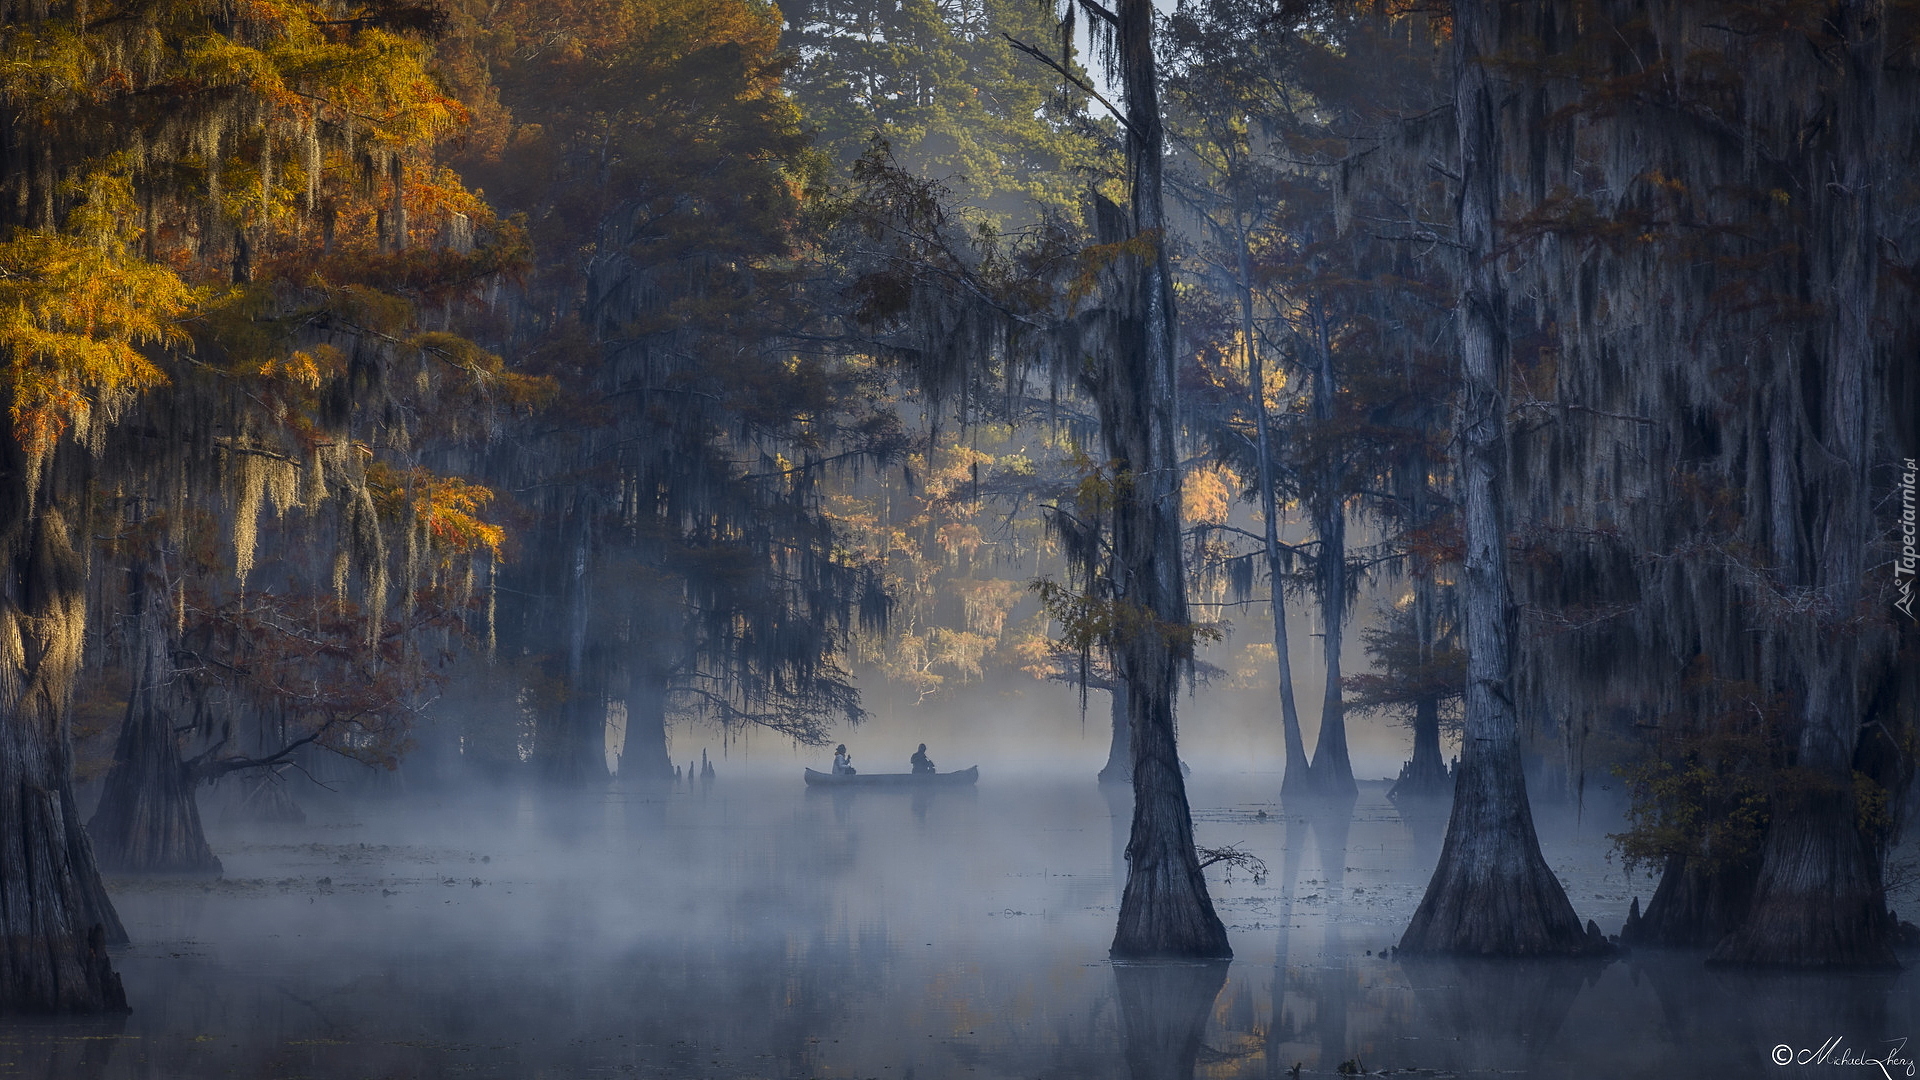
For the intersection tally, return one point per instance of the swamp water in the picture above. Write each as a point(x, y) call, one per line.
point(756, 929)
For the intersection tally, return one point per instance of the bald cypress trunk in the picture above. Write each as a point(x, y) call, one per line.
point(1119, 766)
point(148, 821)
point(1697, 903)
point(1332, 770)
point(1492, 893)
point(643, 754)
point(1819, 900)
point(1165, 909)
point(1294, 779)
point(571, 745)
point(55, 918)
point(1424, 776)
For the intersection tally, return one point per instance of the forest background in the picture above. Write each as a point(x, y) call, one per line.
point(401, 393)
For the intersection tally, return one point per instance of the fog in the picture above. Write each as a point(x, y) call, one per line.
point(752, 927)
point(1037, 729)
point(1015, 725)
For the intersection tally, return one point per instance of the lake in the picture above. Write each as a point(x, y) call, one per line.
point(756, 929)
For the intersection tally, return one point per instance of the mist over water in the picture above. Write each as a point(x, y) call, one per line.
point(1030, 728)
point(755, 928)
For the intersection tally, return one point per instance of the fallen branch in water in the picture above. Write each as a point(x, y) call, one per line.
point(1234, 855)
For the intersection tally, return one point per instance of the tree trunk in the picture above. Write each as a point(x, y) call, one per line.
point(1425, 776)
point(1331, 774)
point(1695, 906)
point(1294, 780)
point(1819, 900)
point(148, 820)
point(571, 745)
point(575, 738)
point(1332, 771)
point(1165, 910)
point(55, 918)
point(1492, 893)
point(1119, 767)
point(643, 753)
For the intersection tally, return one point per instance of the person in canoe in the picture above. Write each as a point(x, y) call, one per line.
point(842, 761)
point(920, 761)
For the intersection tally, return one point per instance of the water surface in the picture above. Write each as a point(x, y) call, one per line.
point(754, 929)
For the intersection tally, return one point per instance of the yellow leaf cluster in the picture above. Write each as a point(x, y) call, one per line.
point(446, 509)
point(1207, 495)
point(76, 316)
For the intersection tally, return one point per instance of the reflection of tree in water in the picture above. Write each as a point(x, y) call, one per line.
point(1332, 827)
point(1163, 1015)
point(1750, 1011)
point(1337, 976)
point(1426, 820)
point(73, 1049)
point(1283, 1025)
point(750, 1008)
point(1313, 997)
point(1502, 1014)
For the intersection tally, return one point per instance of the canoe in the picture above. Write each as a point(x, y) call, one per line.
point(894, 780)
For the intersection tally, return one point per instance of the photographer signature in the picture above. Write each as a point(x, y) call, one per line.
point(1890, 1064)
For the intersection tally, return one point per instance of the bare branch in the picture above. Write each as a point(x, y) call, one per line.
point(1233, 855)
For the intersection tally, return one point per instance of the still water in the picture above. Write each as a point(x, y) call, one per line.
point(756, 929)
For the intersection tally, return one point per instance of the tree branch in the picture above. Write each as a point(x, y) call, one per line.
point(1040, 55)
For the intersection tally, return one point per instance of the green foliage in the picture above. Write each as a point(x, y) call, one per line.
point(1414, 663)
point(1686, 807)
point(1087, 621)
point(954, 102)
point(1706, 794)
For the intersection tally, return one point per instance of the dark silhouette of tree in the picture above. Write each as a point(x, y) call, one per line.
point(681, 564)
point(1695, 578)
point(1164, 909)
point(1492, 893)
